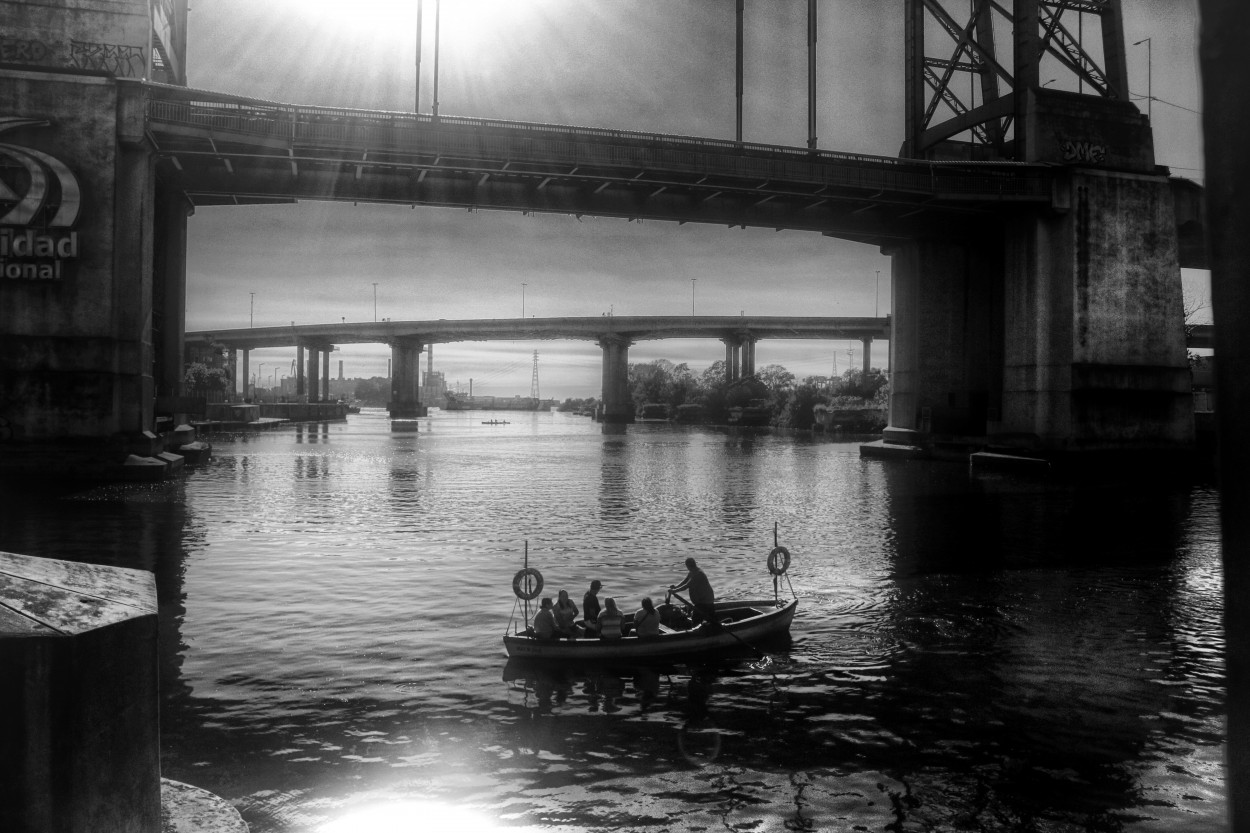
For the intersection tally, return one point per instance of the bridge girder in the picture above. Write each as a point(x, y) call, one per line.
point(224, 150)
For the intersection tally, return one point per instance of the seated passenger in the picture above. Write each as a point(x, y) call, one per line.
point(647, 619)
point(566, 612)
point(545, 621)
point(610, 620)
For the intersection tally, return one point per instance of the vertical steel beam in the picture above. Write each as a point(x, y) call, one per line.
point(811, 73)
point(1114, 59)
point(1027, 71)
point(738, 134)
point(914, 86)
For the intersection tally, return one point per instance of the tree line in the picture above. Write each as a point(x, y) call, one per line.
point(773, 391)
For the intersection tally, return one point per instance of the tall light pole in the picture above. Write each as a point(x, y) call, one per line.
point(438, 8)
point(375, 301)
point(523, 285)
point(417, 90)
point(692, 281)
point(876, 298)
point(251, 314)
point(1149, 91)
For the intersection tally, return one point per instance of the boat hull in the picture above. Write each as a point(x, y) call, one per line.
point(768, 621)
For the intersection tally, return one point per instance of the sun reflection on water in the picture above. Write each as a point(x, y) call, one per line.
point(410, 817)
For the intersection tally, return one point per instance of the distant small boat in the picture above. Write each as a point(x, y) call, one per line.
point(495, 422)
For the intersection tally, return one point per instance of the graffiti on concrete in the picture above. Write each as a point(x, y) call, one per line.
point(1083, 152)
point(18, 51)
point(118, 59)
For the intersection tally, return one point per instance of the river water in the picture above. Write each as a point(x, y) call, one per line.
point(984, 655)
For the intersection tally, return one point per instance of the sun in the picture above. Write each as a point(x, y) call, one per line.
point(392, 15)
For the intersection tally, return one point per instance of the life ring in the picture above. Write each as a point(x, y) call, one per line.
point(779, 561)
point(531, 578)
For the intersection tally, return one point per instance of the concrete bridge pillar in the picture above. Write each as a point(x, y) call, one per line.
point(747, 349)
point(946, 338)
point(618, 404)
point(405, 388)
point(325, 374)
point(732, 357)
point(1095, 357)
point(300, 388)
point(247, 375)
point(867, 341)
point(314, 374)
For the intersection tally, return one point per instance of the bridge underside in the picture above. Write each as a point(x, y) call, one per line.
point(225, 150)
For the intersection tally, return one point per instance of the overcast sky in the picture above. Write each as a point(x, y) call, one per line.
point(652, 65)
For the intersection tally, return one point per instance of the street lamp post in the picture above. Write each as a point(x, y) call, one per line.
point(1149, 81)
point(876, 297)
point(375, 301)
point(251, 314)
point(692, 282)
point(523, 285)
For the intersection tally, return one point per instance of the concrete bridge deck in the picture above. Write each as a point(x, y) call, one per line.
point(631, 328)
point(233, 150)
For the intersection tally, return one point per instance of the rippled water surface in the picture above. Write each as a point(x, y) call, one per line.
point(968, 655)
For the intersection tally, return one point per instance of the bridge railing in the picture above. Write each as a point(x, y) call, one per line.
point(480, 139)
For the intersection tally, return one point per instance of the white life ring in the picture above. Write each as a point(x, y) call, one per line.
point(528, 578)
point(779, 561)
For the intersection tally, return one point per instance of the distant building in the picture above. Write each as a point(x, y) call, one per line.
point(434, 389)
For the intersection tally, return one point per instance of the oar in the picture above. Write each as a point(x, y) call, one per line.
point(758, 653)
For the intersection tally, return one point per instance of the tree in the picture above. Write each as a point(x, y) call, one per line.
point(375, 392)
point(202, 378)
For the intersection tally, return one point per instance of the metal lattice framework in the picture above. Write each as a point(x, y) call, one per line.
point(991, 109)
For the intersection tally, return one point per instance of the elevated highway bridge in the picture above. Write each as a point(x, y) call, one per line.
point(613, 334)
point(228, 149)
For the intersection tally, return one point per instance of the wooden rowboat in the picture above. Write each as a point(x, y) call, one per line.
point(743, 624)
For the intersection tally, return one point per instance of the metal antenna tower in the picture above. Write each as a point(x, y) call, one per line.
point(534, 379)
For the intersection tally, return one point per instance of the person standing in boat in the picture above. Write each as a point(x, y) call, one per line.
point(610, 620)
point(566, 612)
point(590, 608)
point(701, 595)
point(647, 619)
point(545, 620)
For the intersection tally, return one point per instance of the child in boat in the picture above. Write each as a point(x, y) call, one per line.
point(565, 612)
point(545, 621)
point(609, 621)
point(647, 619)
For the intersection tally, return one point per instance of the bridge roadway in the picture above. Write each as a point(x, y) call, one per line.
point(614, 334)
point(227, 149)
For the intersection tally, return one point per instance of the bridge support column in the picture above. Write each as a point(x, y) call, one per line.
point(747, 349)
point(867, 355)
point(323, 390)
point(733, 355)
point(946, 340)
point(1095, 351)
point(405, 369)
point(314, 374)
point(300, 389)
point(618, 405)
point(247, 375)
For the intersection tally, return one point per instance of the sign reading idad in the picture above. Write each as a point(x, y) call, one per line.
point(39, 203)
